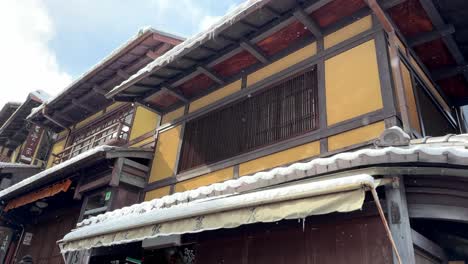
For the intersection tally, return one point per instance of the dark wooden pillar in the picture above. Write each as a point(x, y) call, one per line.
point(398, 219)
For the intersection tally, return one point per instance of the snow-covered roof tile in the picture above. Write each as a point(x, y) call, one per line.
point(194, 41)
point(455, 155)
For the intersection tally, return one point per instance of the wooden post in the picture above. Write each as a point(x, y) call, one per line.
point(394, 62)
point(398, 220)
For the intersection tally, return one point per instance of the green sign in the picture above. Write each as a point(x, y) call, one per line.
point(108, 196)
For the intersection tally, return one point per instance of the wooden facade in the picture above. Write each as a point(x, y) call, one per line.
point(285, 82)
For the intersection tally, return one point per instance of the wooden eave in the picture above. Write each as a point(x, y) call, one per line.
point(7, 110)
point(15, 130)
point(73, 170)
point(85, 96)
point(254, 38)
point(207, 66)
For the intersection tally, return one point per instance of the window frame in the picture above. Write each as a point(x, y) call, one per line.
point(277, 81)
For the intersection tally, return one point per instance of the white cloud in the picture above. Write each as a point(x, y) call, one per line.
point(27, 62)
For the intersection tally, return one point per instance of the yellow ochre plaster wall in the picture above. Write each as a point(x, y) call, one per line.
point(356, 136)
point(145, 121)
point(352, 83)
point(215, 96)
point(164, 161)
point(58, 147)
point(204, 180)
point(280, 158)
point(347, 32)
point(171, 116)
point(282, 64)
point(410, 99)
point(158, 193)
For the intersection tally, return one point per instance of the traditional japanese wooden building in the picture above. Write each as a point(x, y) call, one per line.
point(291, 131)
point(100, 153)
point(283, 120)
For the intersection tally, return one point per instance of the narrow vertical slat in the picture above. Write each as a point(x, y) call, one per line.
point(279, 112)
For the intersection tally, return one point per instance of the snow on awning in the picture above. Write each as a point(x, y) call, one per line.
point(293, 201)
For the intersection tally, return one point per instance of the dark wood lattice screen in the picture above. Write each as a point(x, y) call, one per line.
point(284, 110)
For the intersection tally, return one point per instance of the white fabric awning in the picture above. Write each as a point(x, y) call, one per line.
point(292, 201)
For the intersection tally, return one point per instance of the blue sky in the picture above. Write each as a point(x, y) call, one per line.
point(88, 30)
point(46, 44)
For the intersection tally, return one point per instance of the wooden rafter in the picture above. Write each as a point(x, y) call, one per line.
point(449, 72)
point(210, 74)
point(82, 105)
point(449, 41)
point(257, 53)
point(174, 93)
point(430, 36)
point(99, 90)
point(160, 50)
point(313, 27)
point(122, 74)
point(63, 117)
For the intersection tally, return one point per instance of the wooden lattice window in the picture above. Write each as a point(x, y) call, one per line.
point(283, 110)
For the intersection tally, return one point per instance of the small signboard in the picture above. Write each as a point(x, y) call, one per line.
point(32, 142)
point(108, 196)
point(5, 239)
point(27, 238)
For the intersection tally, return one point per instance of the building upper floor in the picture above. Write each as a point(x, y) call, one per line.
point(276, 82)
point(21, 141)
point(83, 118)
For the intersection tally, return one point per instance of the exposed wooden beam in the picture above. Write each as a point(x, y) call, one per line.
point(83, 106)
point(249, 25)
point(122, 74)
point(427, 245)
point(430, 36)
point(248, 46)
point(153, 78)
point(272, 11)
point(172, 68)
point(99, 90)
point(313, 27)
point(208, 49)
point(160, 50)
point(210, 74)
point(227, 39)
point(64, 117)
point(387, 4)
point(317, 5)
point(192, 60)
point(449, 41)
point(449, 72)
point(175, 94)
point(166, 39)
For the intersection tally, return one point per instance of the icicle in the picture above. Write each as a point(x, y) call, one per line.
point(303, 224)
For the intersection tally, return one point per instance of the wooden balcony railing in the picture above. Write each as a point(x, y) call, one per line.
point(116, 134)
point(4, 158)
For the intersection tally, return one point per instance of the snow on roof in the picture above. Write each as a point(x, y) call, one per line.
point(42, 95)
point(152, 213)
point(179, 50)
point(450, 154)
point(142, 31)
point(4, 165)
point(45, 173)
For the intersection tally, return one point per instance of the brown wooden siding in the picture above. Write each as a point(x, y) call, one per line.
point(361, 240)
point(46, 233)
point(286, 109)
